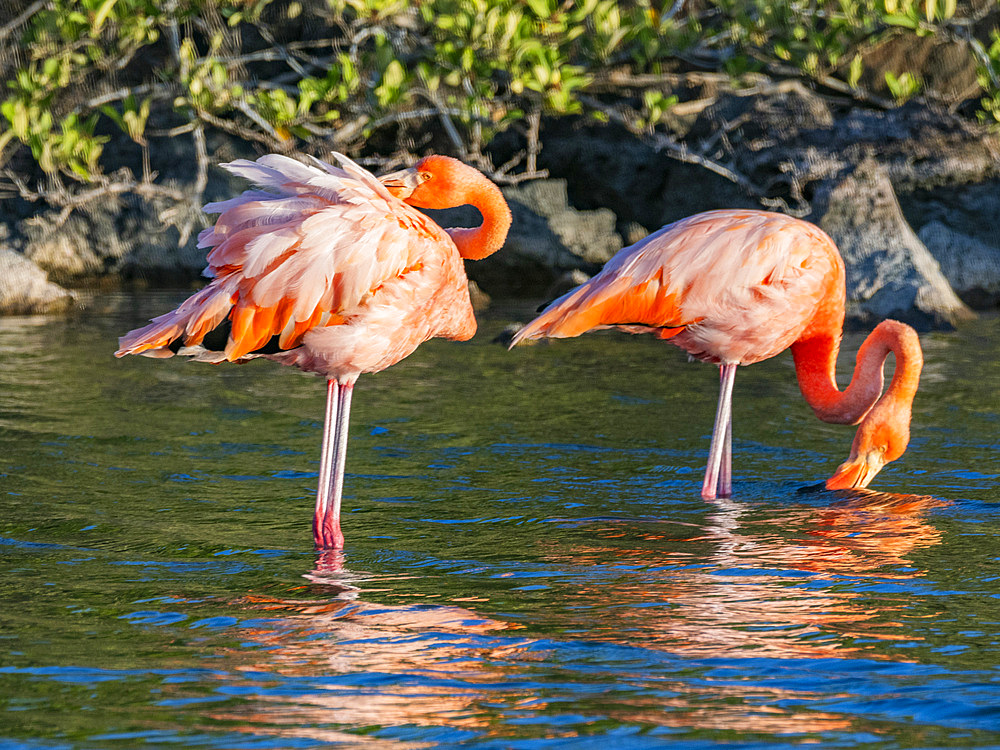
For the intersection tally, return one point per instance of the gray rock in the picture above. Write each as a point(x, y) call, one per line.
point(789, 136)
point(25, 288)
point(547, 239)
point(971, 266)
point(947, 66)
point(128, 237)
point(967, 209)
point(889, 271)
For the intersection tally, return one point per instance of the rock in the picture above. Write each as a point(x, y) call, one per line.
point(25, 288)
point(480, 299)
point(946, 66)
point(890, 274)
point(971, 266)
point(547, 238)
point(131, 237)
point(967, 209)
point(607, 167)
point(789, 136)
point(127, 237)
point(566, 282)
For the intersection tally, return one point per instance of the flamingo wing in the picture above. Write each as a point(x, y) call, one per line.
point(714, 266)
point(305, 252)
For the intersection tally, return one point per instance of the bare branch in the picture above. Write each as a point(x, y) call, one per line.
point(534, 125)
point(158, 90)
point(69, 201)
point(449, 126)
point(9, 28)
point(273, 142)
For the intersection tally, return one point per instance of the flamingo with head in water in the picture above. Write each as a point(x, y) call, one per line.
point(735, 287)
point(334, 271)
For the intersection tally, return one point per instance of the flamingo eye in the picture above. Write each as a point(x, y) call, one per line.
point(424, 176)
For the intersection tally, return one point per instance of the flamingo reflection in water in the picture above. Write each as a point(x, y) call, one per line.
point(727, 595)
point(431, 662)
point(758, 580)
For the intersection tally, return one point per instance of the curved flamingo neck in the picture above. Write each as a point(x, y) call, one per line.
point(816, 367)
point(478, 242)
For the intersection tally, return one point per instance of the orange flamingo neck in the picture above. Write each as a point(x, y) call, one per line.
point(816, 365)
point(479, 242)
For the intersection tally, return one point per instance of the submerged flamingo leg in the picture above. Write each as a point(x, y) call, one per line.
point(726, 467)
point(720, 442)
point(330, 485)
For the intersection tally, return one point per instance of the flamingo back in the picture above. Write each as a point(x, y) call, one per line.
point(726, 286)
point(310, 251)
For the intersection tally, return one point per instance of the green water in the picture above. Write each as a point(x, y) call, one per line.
point(528, 562)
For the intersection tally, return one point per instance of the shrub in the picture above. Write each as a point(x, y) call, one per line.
point(312, 75)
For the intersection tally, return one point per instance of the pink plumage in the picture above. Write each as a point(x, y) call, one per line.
point(334, 271)
point(735, 287)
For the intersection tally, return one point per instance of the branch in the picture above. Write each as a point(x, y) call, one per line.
point(272, 142)
point(158, 90)
point(449, 126)
point(31, 10)
point(70, 201)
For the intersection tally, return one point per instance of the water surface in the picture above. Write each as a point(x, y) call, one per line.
point(528, 561)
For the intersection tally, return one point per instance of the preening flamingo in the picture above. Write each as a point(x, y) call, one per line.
point(334, 271)
point(735, 287)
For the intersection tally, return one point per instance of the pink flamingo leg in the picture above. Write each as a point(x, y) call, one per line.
point(330, 485)
point(714, 481)
point(726, 468)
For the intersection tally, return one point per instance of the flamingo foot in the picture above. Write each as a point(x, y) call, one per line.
point(326, 532)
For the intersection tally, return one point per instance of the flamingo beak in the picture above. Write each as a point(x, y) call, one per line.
point(857, 471)
point(402, 183)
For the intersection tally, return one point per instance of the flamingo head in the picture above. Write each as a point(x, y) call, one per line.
point(882, 437)
point(433, 182)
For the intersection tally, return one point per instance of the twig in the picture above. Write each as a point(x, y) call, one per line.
point(674, 10)
point(415, 114)
point(159, 91)
point(534, 125)
point(70, 201)
point(28, 12)
point(200, 182)
point(446, 123)
point(282, 52)
point(271, 142)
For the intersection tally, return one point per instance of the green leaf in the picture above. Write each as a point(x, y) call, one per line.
point(857, 68)
point(897, 19)
point(541, 8)
point(102, 15)
point(394, 74)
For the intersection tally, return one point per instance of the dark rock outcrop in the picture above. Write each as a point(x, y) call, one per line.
point(957, 224)
point(547, 239)
point(128, 238)
point(793, 134)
